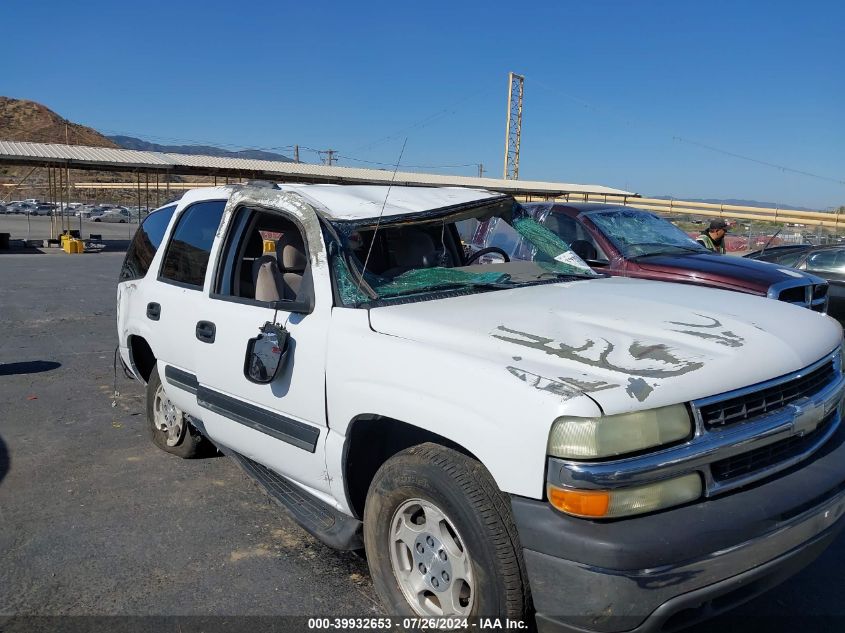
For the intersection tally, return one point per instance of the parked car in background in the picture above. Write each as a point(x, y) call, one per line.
point(827, 262)
point(626, 242)
point(3, 209)
point(26, 208)
point(116, 214)
point(44, 208)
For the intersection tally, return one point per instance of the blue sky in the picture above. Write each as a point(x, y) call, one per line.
point(617, 93)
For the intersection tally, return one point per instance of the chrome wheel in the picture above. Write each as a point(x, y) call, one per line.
point(430, 561)
point(168, 418)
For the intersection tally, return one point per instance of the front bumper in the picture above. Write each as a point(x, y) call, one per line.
point(671, 568)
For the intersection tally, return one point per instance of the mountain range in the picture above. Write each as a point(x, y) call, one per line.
point(130, 142)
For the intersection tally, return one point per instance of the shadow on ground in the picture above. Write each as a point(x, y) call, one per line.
point(4, 459)
point(28, 367)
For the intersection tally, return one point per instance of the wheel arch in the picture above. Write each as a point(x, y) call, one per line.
point(141, 356)
point(371, 440)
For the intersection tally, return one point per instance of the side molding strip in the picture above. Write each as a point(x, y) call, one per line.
point(291, 431)
point(181, 379)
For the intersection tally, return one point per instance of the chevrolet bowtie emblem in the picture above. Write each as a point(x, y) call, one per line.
point(807, 417)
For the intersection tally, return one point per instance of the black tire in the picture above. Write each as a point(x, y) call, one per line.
point(96, 219)
point(468, 497)
point(190, 443)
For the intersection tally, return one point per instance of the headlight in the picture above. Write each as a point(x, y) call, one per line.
point(608, 504)
point(605, 436)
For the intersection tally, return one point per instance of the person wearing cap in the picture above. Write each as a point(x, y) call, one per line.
point(713, 239)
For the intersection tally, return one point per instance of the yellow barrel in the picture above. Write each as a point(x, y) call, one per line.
point(71, 245)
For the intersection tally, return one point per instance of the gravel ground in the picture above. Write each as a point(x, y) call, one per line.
point(95, 521)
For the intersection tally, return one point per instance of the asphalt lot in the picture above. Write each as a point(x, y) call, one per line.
point(95, 521)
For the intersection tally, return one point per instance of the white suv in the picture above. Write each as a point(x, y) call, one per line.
point(611, 451)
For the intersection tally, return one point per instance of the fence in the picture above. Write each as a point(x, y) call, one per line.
point(833, 219)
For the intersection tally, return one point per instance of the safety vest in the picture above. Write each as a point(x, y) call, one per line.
point(705, 240)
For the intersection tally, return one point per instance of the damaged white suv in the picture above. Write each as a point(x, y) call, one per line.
point(515, 439)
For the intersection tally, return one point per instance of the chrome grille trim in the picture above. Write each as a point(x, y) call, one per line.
point(814, 297)
point(757, 400)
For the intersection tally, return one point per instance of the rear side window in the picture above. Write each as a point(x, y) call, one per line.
point(186, 257)
point(145, 244)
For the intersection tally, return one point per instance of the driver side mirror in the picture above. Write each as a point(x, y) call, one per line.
point(266, 354)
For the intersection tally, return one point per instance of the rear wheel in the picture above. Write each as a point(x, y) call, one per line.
point(169, 427)
point(440, 538)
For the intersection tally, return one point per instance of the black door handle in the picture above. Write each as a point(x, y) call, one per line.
point(206, 331)
point(153, 311)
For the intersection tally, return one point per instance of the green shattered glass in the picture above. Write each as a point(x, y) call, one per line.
point(550, 245)
point(429, 278)
point(347, 287)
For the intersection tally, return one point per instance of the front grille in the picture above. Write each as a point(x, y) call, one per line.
point(769, 399)
point(813, 297)
point(794, 295)
point(762, 458)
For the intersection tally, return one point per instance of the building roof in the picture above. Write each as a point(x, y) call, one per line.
point(108, 159)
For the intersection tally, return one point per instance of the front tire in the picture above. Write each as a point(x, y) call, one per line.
point(169, 427)
point(440, 538)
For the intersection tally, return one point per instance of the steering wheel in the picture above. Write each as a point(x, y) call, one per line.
point(485, 251)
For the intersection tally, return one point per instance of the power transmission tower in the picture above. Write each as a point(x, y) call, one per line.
point(513, 130)
point(481, 170)
point(296, 153)
point(329, 159)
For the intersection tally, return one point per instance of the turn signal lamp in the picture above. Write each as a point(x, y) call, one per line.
point(611, 504)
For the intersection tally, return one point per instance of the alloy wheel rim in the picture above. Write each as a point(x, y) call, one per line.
point(430, 561)
point(168, 418)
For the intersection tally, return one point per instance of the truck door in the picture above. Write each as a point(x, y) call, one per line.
point(281, 425)
point(178, 294)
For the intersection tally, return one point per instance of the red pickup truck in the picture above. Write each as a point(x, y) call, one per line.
point(628, 242)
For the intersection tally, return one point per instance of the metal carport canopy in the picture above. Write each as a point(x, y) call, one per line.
point(108, 159)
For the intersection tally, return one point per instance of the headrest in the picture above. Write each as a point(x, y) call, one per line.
point(417, 250)
point(290, 251)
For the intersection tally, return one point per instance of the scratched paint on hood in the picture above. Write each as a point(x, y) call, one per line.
point(562, 386)
point(664, 363)
point(638, 388)
point(725, 337)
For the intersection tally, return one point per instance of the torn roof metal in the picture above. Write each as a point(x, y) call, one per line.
point(362, 202)
point(108, 159)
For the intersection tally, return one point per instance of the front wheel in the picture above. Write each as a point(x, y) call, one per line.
point(440, 538)
point(169, 426)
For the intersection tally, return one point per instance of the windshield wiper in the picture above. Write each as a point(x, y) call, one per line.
point(662, 246)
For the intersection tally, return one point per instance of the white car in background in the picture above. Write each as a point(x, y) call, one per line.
point(117, 214)
point(44, 208)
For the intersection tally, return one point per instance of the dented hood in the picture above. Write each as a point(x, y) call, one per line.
point(629, 344)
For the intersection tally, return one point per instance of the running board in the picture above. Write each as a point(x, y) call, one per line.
point(326, 523)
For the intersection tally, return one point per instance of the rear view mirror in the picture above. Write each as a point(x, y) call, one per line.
point(266, 354)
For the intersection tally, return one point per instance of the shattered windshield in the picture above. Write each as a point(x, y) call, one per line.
point(438, 251)
point(638, 233)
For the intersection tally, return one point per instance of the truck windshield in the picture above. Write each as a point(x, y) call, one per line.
point(441, 251)
point(638, 233)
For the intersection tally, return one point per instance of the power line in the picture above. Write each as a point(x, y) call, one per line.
point(758, 161)
point(627, 120)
